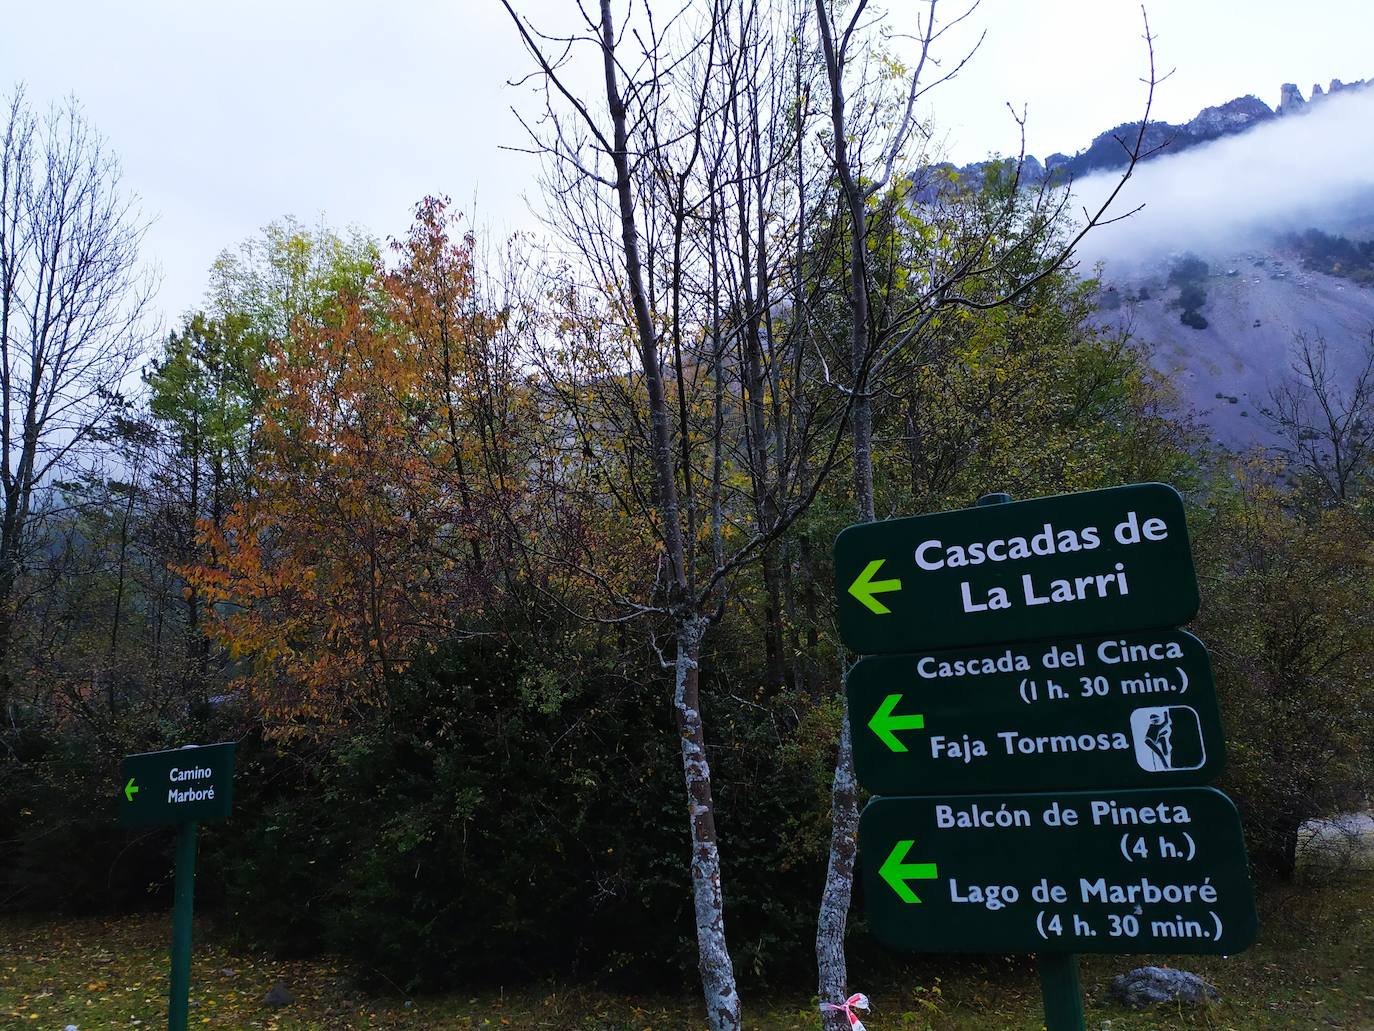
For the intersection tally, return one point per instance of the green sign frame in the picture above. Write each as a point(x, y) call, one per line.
point(1135, 871)
point(1127, 710)
point(194, 784)
point(1096, 562)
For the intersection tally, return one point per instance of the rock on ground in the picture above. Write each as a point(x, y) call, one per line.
point(1149, 986)
point(279, 995)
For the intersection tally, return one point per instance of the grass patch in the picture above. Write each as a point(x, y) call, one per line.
point(1312, 969)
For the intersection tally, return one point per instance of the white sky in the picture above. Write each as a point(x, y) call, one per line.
point(228, 115)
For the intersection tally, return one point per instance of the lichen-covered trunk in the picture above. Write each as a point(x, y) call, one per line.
point(833, 974)
point(717, 970)
point(839, 877)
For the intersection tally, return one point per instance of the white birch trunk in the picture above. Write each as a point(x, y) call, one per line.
point(717, 970)
point(832, 970)
point(839, 879)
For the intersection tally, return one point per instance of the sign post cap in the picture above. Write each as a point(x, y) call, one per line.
point(998, 498)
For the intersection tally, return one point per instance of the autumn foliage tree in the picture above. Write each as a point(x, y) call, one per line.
point(387, 464)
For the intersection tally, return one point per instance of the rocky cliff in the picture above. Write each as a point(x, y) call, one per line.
point(1106, 153)
point(1292, 103)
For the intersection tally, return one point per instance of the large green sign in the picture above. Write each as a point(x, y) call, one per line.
point(1128, 710)
point(1110, 871)
point(1099, 562)
point(194, 784)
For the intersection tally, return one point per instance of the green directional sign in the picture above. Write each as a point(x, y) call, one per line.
point(1129, 710)
point(1098, 562)
point(1110, 871)
point(194, 784)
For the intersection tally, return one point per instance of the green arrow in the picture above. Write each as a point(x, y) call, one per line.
point(897, 873)
point(865, 587)
point(884, 723)
point(130, 790)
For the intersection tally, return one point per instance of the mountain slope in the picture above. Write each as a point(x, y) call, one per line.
point(1257, 303)
point(1257, 227)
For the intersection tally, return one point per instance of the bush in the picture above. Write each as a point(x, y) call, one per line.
point(1192, 297)
point(503, 820)
point(1288, 618)
point(1188, 274)
point(1188, 269)
point(1192, 317)
point(63, 850)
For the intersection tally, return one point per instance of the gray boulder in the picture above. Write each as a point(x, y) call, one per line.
point(1149, 986)
point(279, 995)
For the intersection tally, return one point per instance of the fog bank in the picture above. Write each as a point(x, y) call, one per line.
point(1310, 169)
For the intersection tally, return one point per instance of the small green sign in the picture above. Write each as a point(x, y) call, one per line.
point(1130, 710)
point(1098, 562)
point(194, 784)
point(1110, 871)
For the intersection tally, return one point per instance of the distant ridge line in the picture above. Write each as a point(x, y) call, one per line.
point(1104, 153)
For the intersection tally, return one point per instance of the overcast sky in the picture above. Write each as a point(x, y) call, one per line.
point(232, 114)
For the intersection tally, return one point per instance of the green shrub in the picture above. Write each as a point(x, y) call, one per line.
point(505, 820)
point(1192, 317)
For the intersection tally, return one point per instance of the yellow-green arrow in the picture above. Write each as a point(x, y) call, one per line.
point(884, 723)
point(865, 587)
point(897, 873)
point(130, 790)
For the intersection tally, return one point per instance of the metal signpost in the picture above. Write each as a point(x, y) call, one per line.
point(1025, 686)
point(183, 787)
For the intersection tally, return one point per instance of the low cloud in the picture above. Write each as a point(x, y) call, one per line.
point(1311, 169)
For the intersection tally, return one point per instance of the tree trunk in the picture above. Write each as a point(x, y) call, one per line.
point(717, 970)
point(839, 875)
point(9, 575)
point(844, 816)
point(753, 265)
point(1278, 856)
point(196, 642)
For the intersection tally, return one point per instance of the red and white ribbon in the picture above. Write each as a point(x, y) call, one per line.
point(857, 1001)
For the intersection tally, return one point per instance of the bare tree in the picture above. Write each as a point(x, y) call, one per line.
point(73, 300)
point(1327, 430)
point(683, 206)
point(698, 202)
point(612, 144)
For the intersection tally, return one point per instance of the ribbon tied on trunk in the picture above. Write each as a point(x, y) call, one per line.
point(857, 1001)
